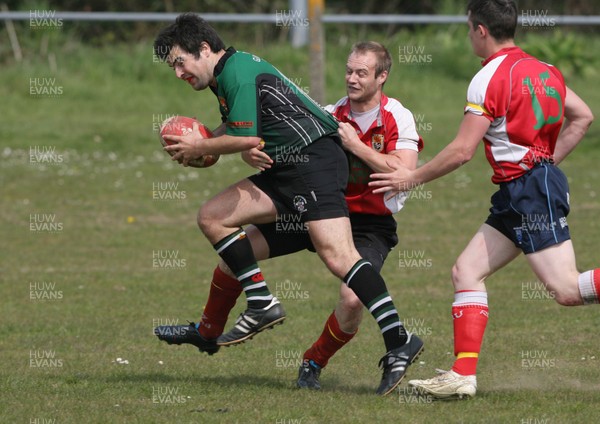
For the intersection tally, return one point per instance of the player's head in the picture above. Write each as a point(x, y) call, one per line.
point(497, 17)
point(188, 45)
point(367, 69)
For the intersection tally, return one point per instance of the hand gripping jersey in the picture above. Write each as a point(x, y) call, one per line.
point(394, 129)
point(524, 100)
point(255, 99)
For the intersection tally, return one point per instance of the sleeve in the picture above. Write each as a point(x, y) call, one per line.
point(486, 95)
point(243, 119)
point(476, 101)
point(402, 134)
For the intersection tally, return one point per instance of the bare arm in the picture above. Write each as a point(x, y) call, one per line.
point(193, 146)
point(458, 152)
point(220, 130)
point(578, 118)
point(379, 162)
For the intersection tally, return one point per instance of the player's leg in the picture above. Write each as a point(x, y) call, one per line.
point(488, 251)
point(220, 219)
point(342, 324)
point(268, 241)
point(556, 268)
point(225, 289)
point(332, 239)
point(223, 294)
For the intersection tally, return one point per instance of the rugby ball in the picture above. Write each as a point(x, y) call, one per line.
point(182, 125)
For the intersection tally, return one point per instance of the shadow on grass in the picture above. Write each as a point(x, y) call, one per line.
point(275, 382)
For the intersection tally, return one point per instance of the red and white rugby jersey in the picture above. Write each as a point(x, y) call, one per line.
point(394, 129)
point(524, 100)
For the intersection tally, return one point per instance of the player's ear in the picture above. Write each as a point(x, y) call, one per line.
point(482, 30)
point(382, 77)
point(204, 49)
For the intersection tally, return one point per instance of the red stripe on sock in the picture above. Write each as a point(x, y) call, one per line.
point(329, 342)
point(596, 280)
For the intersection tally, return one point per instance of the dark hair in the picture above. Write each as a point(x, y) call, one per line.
point(384, 61)
point(498, 16)
point(188, 32)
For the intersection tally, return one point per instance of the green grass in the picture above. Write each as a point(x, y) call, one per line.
point(111, 295)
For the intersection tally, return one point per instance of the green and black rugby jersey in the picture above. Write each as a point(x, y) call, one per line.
point(256, 99)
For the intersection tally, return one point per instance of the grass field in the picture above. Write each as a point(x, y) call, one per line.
point(85, 216)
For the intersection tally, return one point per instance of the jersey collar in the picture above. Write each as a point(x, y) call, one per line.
point(506, 50)
point(347, 110)
point(221, 63)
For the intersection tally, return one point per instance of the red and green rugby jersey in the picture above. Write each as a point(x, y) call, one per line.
point(255, 99)
point(524, 100)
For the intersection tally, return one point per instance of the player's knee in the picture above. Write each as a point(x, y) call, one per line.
point(465, 277)
point(457, 275)
point(567, 299)
point(207, 216)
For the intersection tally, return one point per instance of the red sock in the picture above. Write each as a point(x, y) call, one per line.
point(330, 341)
point(224, 291)
point(470, 314)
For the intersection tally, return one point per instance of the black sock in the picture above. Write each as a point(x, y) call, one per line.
point(236, 251)
point(370, 288)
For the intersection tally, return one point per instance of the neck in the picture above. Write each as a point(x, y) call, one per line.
point(215, 59)
point(496, 47)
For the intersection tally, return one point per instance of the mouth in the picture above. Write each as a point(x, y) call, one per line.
point(189, 79)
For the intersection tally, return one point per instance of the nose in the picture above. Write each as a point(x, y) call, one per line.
point(178, 72)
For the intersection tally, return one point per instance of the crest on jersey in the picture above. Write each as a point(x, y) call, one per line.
point(300, 203)
point(377, 142)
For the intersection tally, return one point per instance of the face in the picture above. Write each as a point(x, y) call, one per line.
point(476, 38)
point(362, 85)
point(196, 71)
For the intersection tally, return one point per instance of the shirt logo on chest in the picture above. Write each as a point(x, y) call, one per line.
point(377, 142)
